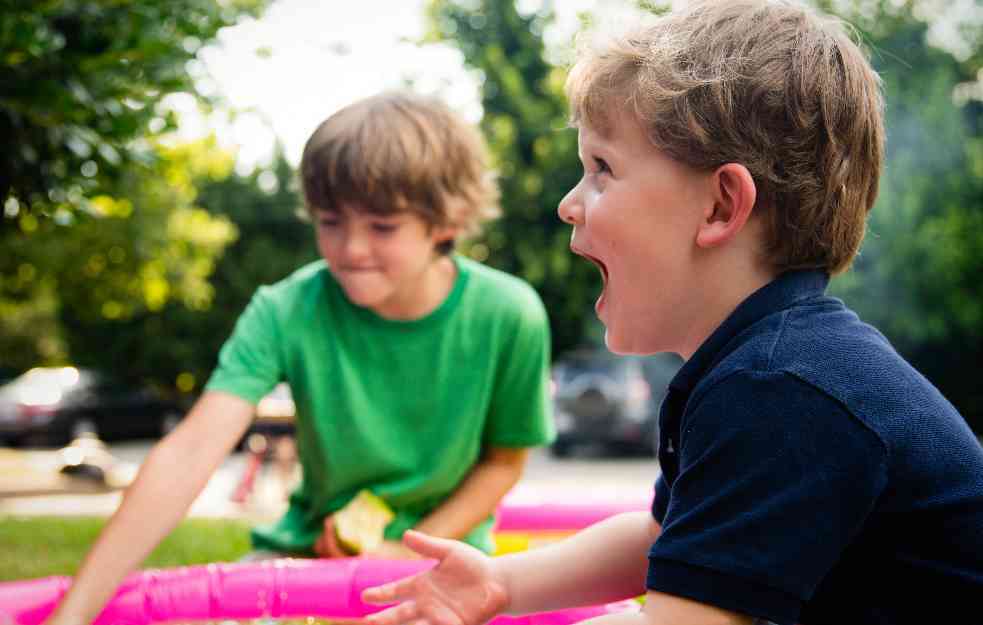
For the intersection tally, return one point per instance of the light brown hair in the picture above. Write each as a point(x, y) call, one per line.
point(398, 152)
point(765, 83)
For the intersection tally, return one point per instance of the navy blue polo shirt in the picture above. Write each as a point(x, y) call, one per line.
point(811, 475)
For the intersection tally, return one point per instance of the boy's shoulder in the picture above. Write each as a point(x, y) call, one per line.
point(499, 290)
point(824, 344)
point(304, 284)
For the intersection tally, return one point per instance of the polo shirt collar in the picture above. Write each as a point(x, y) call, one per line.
point(779, 294)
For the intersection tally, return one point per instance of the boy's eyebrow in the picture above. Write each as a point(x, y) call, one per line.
point(597, 145)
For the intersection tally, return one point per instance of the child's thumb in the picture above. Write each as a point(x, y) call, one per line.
point(428, 546)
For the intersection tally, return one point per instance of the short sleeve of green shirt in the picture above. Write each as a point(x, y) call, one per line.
point(519, 414)
point(249, 364)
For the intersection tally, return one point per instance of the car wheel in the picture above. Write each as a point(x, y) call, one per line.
point(561, 448)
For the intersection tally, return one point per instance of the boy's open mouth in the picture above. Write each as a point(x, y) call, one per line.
point(604, 275)
point(600, 265)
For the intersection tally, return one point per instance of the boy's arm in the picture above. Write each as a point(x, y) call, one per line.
point(606, 562)
point(603, 563)
point(478, 494)
point(170, 478)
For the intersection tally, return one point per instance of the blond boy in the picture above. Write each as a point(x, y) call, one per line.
point(417, 374)
point(731, 152)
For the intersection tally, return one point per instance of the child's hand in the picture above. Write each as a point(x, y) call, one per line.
point(463, 589)
point(326, 545)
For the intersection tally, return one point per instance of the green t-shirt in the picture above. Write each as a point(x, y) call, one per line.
point(402, 408)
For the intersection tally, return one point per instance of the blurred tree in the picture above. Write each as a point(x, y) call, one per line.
point(917, 277)
point(534, 152)
point(155, 295)
point(82, 90)
point(96, 290)
point(273, 242)
point(275, 238)
point(81, 81)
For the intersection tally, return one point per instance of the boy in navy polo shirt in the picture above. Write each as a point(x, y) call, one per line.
point(731, 152)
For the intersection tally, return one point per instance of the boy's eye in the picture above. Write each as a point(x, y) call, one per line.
point(384, 228)
point(327, 222)
point(601, 165)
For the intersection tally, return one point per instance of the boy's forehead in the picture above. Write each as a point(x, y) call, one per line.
point(618, 132)
point(591, 137)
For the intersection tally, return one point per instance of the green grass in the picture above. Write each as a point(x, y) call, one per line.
point(41, 546)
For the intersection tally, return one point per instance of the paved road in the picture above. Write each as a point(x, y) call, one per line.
point(575, 480)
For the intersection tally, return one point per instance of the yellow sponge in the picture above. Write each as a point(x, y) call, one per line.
point(360, 524)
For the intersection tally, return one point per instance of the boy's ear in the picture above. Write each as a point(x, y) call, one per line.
point(734, 194)
point(442, 234)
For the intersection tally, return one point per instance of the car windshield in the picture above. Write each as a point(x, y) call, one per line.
point(42, 385)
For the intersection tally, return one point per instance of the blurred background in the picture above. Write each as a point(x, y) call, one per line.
point(148, 183)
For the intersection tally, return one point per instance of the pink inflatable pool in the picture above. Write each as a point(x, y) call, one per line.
point(299, 588)
point(540, 517)
point(275, 589)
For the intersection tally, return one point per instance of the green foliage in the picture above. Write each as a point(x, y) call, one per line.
point(534, 151)
point(107, 259)
point(82, 80)
point(272, 243)
point(178, 343)
point(152, 287)
point(917, 277)
point(116, 268)
point(33, 547)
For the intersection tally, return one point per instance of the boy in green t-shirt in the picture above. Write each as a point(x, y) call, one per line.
point(417, 374)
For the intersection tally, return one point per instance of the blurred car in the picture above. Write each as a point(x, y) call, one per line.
point(275, 412)
point(51, 406)
point(273, 419)
point(600, 398)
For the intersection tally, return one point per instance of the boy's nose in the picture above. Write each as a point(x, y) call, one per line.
point(571, 209)
point(355, 246)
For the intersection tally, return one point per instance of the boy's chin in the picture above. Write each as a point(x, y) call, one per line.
point(618, 345)
point(615, 345)
point(363, 299)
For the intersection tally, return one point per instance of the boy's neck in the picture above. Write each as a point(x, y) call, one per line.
point(726, 285)
point(423, 296)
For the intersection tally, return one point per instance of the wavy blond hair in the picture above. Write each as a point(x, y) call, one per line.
point(765, 83)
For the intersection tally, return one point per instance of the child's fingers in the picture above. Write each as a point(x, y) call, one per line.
point(331, 539)
point(319, 549)
point(428, 546)
point(391, 592)
point(326, 545)
point(402, 613)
